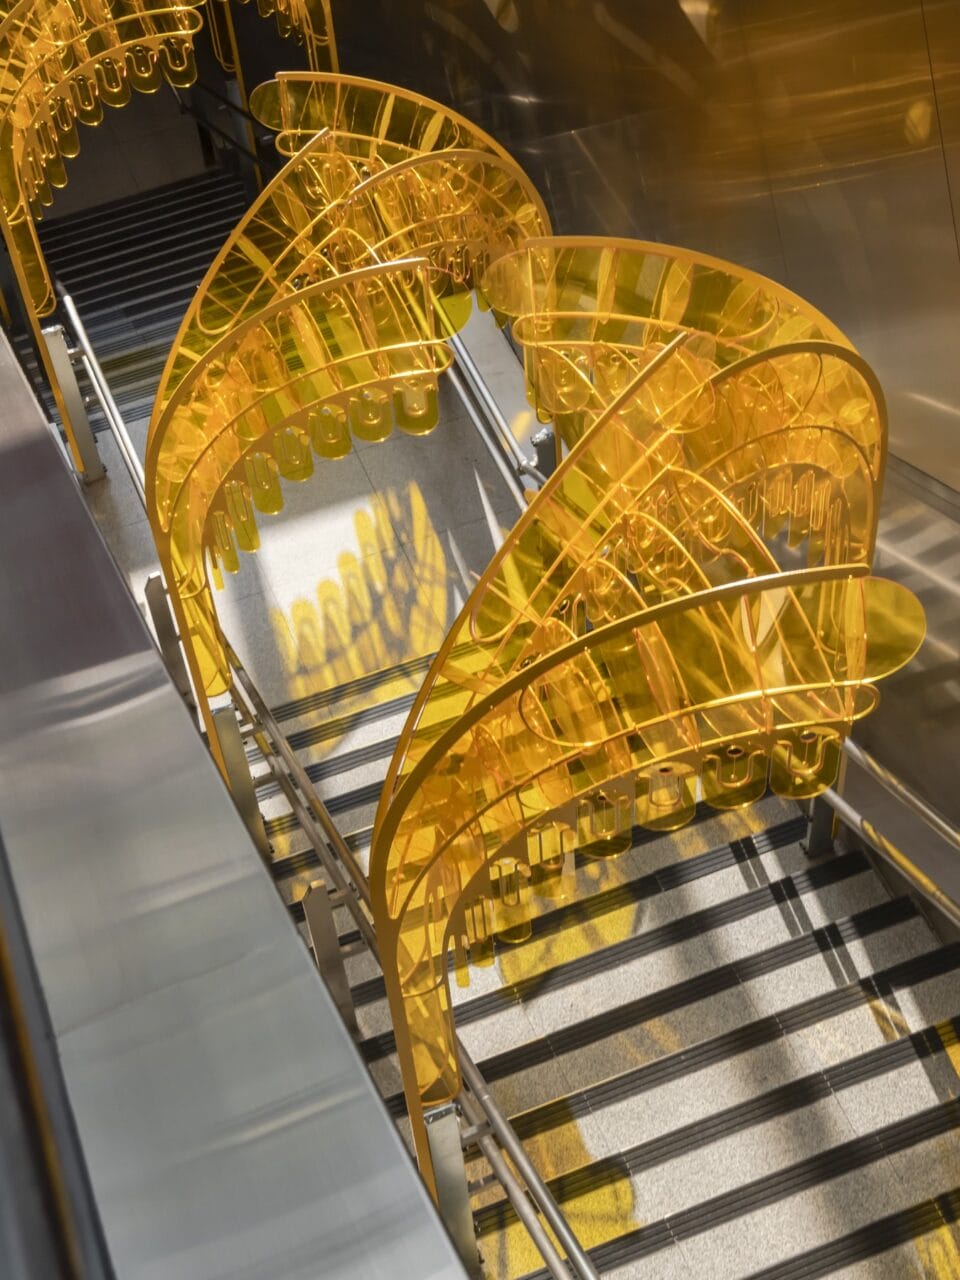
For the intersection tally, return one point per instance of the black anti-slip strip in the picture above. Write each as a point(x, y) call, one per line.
point(632, 892)
point(350, 688)
point(774, 1104)
point(694, 925)
point(845, 1158)
point(869, 1241)
point(728, 1044)
point(323, 770)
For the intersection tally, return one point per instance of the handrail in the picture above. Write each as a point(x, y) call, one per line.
point(906, 795)
point(918, 879)
point(222, 98)
point(102, 391)
point(358, 892)
point(497, 423)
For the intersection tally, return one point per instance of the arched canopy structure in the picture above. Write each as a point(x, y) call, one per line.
point(685, 608)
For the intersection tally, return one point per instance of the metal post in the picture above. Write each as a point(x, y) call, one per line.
point(168, 638)
point(239, 776)
point(322, 929)
point(824, 824)
point(820, 832)
point(74, 407)
point(453, 1198)
point(545, 443)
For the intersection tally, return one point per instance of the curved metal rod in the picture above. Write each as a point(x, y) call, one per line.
point(900, 791)
point(542, 1198)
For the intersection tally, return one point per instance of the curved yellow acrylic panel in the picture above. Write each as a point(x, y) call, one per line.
point(62, 61)
point(685, 609)
point(322, 320)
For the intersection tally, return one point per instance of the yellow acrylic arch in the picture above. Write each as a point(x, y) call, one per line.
point(59, 64)
point(684, 609)
point(318, 322)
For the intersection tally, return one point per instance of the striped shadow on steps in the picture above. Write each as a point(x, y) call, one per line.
point(790, 1097)
point(867, 1242)
point(660, 1003)
point(647, 943)
point(846, 1157)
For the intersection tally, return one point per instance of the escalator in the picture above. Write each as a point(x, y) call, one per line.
point(725, 1057)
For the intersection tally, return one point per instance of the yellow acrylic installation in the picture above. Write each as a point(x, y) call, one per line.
point(309, 23)
point(685, 609)
point(62, 61)
point(320, 321)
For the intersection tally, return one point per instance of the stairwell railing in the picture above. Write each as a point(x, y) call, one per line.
point(492, 1131)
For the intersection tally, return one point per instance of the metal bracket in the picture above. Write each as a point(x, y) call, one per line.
point(239, 776)
point(820, 832)
point(450, 1172)
point(73, 403)
point(322, 930)
point(168, 637)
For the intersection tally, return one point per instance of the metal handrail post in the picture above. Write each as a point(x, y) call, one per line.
point(514, 1148)
point(111, 412)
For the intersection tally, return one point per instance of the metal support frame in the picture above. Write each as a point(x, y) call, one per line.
point(450, 1171)
point(325, 942)
point(824, 825)
point(58, 350)
point(168, 638)
point(822, 830)
point(239, 776)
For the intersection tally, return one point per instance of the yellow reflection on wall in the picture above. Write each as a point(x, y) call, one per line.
point(318, 322)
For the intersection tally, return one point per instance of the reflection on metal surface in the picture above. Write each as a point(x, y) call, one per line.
point(229, 1126)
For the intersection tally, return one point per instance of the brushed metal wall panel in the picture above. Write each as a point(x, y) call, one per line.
point(229, 1125)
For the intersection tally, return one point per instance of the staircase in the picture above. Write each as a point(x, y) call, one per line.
point(131, 267)
point(728, 1059)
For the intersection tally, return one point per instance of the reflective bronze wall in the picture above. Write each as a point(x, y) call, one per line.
point(814, 141)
